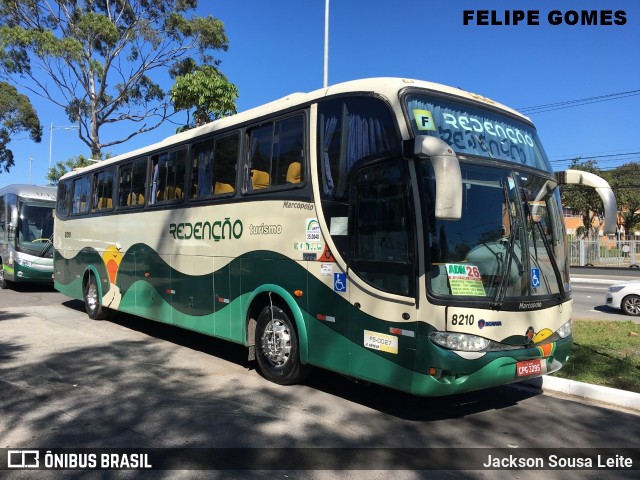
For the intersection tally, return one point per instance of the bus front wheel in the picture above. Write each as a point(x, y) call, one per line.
point(92, 300)
point(277, 349)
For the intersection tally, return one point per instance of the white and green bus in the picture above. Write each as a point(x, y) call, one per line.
point(397, 231)
point(26, 234)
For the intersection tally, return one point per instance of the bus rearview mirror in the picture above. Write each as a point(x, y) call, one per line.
point(579, 177)
point(446, 169)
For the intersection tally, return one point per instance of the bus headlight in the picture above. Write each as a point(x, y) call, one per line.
point(459, 341)
point(23, 262)
point(565, 330)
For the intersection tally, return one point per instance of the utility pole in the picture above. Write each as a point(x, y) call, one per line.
point(325, 83)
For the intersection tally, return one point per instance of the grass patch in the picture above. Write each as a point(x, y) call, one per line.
point(605, 353)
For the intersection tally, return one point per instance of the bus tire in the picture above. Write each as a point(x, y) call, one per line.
point(92, 304)
point(277, 348)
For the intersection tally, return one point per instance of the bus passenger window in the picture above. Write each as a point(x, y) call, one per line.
point(168, 177)
point(81, 194)
point(132, 182)
point(225, 162)
point(65, 198)
point(103, 190)
point(276, 155)
point(202, 170)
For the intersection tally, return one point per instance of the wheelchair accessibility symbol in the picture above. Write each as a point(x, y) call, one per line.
point(340, 282)
point(535, 277)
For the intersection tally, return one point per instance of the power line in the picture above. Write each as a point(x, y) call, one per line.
point(577, 103)
point(593, 157)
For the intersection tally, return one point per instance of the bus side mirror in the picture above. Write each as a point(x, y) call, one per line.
point(447, 172)
point(578, 177)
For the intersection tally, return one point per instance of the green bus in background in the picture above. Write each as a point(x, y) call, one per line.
point(26, 234)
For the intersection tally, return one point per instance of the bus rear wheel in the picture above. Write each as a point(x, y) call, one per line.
point(92, 304)
point(277, 348)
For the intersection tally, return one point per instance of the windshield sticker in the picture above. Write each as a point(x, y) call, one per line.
point(535, 278)
point(424, 119)
point(465, 279)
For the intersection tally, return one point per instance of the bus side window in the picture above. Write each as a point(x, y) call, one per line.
point(64, 198)
point(168, 176)
point(202, 170)
point(276, 154)
point(103, 190)
point(81, 194)
point(225, 162)
point(132, 181)
point(124, 195)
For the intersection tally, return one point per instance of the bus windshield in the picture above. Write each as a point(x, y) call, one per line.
point(509, 242)
point(35, 229)
point(471, 130)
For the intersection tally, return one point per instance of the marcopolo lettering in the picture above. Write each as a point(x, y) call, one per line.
point(297, 205)
point(529, 306)
point(216, 230)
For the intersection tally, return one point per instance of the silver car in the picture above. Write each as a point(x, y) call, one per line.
point(626, 296)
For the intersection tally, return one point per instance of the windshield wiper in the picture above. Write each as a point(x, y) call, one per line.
point(501, 291)
point(552, 258)
point(46, 247)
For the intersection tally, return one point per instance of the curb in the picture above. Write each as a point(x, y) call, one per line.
point(597, 393)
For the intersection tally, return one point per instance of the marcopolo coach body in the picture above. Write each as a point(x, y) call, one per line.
point(394, 230)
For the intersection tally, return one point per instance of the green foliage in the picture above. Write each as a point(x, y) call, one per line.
point(66, 166)
point(102, 61)
point(205, 91)
point(16, 115)
point(605, 353)
point(625, 182)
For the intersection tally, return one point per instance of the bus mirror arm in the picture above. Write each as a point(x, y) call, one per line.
point(578, 177)
point(447, 172)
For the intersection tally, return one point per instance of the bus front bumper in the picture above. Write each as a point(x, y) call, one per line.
point(500, 368)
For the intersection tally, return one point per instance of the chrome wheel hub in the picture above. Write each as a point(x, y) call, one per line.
point(92, 297)
point(276, 342)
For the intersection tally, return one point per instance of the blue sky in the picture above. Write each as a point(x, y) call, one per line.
point(276, 48)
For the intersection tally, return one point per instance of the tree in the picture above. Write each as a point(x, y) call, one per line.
point(94, 58)
point(66, 166)
point(16, 115)
point(625, 182)
point(584, 199)
point(207, 92)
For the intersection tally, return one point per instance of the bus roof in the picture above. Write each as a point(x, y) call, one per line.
point(385, 86)
point(33, 192)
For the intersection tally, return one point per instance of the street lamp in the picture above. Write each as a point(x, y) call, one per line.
point(57, 127)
